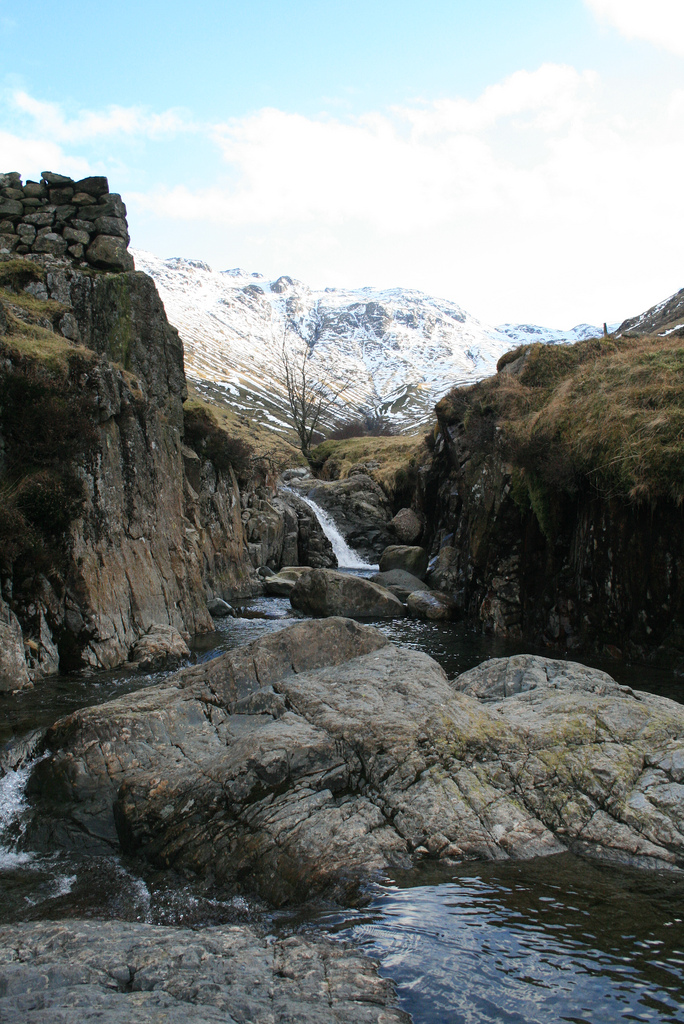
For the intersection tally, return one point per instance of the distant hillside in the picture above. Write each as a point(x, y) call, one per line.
point(403, 349)
point(665, 318)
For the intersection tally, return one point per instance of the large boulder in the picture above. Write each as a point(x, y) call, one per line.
point(281, 584)
point(407, 525)
point(118, 972)
point(160, 647)
point(323, 754)
point(399, 581)
point(326, 592)
point(13, 669)
point(426, 604)
point(411, 559)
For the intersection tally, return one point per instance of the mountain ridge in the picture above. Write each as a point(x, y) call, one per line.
point(402, 348)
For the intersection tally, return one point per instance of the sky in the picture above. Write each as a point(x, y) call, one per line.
point(520, 157)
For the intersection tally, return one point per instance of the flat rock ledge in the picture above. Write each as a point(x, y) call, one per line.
point(78, 972)
point(322, 755)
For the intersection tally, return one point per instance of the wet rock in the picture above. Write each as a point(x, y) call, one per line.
point(160, 647)
point(219, 608)
point(282, 584)
point(326, 592)
point(13, 669)
point(425, 604)
point(359, 509)
point(409, 558)
point(407, 526)
point(322, 754)
point(18, 752)
point(399, 582)
point(115, 972)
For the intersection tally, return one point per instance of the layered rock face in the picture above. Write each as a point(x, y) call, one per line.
point(609, 577)
point(80, 220)
point(156, 531)
point(147, 548)
point(323, 754)
point(112, 972)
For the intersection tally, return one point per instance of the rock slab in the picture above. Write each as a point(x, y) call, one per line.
point(326, 592)
point(112, 972)
point(322, 755)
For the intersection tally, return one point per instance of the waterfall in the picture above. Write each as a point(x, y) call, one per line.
point(13, 807)
point(346, 558)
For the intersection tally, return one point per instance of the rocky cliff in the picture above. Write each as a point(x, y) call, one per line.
point(109, 522)
point(554, 497)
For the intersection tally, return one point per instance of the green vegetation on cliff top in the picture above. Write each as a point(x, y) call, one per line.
point(608, 412)
point(390, 461)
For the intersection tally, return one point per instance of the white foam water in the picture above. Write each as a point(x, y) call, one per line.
point(13, 805)
point(346, 557)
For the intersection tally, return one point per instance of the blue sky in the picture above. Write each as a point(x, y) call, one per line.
point(520, 157)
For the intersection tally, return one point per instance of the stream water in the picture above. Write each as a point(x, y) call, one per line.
point(557, 939)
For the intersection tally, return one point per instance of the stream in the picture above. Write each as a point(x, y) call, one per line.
point(535, 942)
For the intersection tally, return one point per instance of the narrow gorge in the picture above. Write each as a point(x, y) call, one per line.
point(267, 718)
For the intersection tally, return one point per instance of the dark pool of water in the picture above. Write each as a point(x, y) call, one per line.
point(558, 939)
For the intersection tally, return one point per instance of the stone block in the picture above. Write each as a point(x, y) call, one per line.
point(50, 243)
point(61, 195)
point(9, 242)
point(27, 233)
point(77, 251)
point(34, 190)
point(64, 213)
point(110, 253)
point(11, 208)
point(10, 180)
point(96, 185)
point(112, 226)
point(111, 206)
point(42, 217)
point(13, 193)
point(74, 235)
point(82, 225)
point(7, 227)
point(56, 179)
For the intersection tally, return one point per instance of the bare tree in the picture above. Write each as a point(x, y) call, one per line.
point(310, 393)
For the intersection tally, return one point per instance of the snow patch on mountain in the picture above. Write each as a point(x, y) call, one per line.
point(402, 349)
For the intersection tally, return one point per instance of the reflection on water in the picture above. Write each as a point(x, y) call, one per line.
point(542, 941)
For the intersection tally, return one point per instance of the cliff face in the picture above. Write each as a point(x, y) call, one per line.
point(158, 530)
point(540, 535)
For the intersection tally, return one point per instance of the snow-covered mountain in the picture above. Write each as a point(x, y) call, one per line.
point(403, 349)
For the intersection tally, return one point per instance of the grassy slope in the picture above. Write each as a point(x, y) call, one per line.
point(388, 460)
point(609, 411)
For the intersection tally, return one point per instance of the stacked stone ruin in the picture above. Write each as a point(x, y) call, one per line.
point(57, 216)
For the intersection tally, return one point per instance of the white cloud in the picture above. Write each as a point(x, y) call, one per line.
point(30, 156)
point(536, 200)
point(657, 21)
point(546, 198)
point(50, 122)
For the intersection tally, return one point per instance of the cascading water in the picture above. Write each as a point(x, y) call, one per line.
point(13, 807)
point(346, 558)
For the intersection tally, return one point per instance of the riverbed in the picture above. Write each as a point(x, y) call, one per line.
point(540, 941)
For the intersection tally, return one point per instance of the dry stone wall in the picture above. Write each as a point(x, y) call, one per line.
point(57, 216)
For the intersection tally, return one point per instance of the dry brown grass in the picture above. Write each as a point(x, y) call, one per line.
point(609, 411)
point(390, 461)
point(267, 444)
